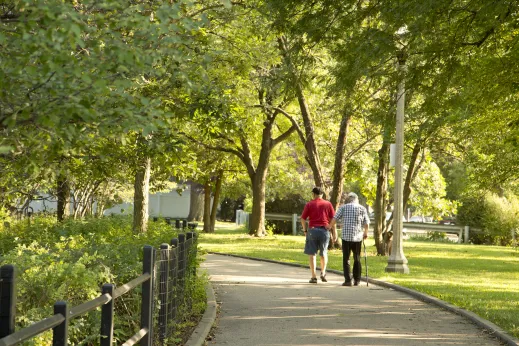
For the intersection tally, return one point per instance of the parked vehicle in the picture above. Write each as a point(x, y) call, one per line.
point(448, 220)
point(417, 218)
point(388, 216)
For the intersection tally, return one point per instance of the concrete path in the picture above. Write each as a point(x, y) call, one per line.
point(264, 303)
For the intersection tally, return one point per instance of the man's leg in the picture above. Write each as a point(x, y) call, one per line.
point(346, 261)
point(323, 251)
point(324, 263)
point(311, 259)
point(357, 264)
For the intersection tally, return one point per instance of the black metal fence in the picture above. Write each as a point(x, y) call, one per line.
point(164, 293)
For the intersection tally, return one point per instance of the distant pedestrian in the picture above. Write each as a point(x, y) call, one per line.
point(319, 212)
point(354, 219)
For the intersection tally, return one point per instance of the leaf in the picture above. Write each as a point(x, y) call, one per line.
point(226, 3)
point(5, 150)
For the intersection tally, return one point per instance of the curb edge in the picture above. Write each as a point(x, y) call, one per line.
point(199, 335)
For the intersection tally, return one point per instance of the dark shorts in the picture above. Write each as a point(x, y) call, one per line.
point(317, 239)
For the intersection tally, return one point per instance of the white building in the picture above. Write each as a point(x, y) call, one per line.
point(163, 204)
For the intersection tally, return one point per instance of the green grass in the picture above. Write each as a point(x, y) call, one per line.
point(481, 279)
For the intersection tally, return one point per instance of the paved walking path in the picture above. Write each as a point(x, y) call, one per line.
point(264, 303)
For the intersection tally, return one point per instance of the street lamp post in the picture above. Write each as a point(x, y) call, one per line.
point(397, 261)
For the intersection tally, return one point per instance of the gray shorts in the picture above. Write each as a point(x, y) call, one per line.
point(317, 239)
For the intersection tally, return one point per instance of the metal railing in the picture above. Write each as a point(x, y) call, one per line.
point(169, 266)
point(462, 232)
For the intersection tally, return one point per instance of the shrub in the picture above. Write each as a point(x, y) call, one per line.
point(292, 204)
point(437, 236)
point(495, 216)
point(70, 261)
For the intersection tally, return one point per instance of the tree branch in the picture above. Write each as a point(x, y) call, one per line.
point(236, 152)
point(283, 136)
point(362, 145)
point(212, 7)
point(294, 123)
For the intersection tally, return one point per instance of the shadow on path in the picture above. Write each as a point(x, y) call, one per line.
point(264, 303)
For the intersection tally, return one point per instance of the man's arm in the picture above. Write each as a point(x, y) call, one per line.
point(366, 224)
point(331, 228)
point(303, 224)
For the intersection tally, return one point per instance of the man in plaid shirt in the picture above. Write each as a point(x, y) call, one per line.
point(355, 222)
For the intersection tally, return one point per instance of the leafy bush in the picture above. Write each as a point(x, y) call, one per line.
point(70, 261)
point(494, 216)
point(437, 236)
point(292, 204)
point(228, 207)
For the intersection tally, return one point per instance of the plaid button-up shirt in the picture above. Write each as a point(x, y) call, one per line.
point(353, 217)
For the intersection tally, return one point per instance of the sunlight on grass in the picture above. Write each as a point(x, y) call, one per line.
point(481, 279)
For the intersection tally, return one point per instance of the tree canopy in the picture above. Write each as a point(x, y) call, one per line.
point(284, 95)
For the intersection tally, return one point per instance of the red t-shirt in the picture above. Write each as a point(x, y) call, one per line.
point(319, 211)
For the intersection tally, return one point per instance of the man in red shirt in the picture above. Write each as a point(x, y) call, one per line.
point(320, 213)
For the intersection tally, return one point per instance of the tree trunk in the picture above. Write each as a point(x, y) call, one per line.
point(141, 196)
point(216, 199)
point(63, 194)
point(338, 167)
point(312, 154)
point(207, 206)
point(196, 202)
point(380, 206)
point(411, 172)
point(257, 217)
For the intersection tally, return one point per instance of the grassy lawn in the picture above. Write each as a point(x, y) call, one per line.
point(481, 279)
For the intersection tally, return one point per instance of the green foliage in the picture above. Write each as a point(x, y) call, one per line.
point(470, 212)
point(71, 260)
point(291, 204)
point(228, 207)
point(437, 236)
point(79, 79)
point(428, 196)
point(493, 217)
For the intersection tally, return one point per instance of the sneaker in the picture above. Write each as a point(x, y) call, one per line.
point(356, 283)
point(323, 278)
point(313, 280)
point(346, 283)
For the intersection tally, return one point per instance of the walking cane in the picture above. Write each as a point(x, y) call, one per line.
point(366, 261)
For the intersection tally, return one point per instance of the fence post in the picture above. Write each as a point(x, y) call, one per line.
point(60, 332)
point(147, 296)
point(107, 317)
point(247, 225)
point(173, 266)
point(177, 224)
point(184, 224)
point(190, 271)
point(192, 249)
point(163, 291)
point(514, 244)
point(181, 272)
point(294, 224)
point(467, 230)
point(7, 300)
